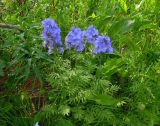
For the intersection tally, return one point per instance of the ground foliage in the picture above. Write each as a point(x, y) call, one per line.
point(80, 89)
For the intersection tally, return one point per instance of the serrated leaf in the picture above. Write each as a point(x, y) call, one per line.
point(41, 55)
point(65, 110)
point(7, 107)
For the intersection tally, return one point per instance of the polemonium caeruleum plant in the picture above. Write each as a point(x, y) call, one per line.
point(51, 35)
point(90, 34)
point(74, 39)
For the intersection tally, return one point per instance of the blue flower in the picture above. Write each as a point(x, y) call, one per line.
point(102, 45)
point(36, 124)
point(90, 34)
point(74, 39)
point(80, 47)
point(51, 35)
point(60, 50)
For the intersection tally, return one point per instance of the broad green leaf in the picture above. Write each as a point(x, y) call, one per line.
point(122, 26)
point(37, 72)
point(123, 5)
point(93, 15)
point(137, 6)
point(26, 71)
point(2, 65)
point(157, 8)
point(64, 122)
point(111, 66)
point(148, 26)
point(104, 99)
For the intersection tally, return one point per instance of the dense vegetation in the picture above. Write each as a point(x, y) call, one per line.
point(80, 88)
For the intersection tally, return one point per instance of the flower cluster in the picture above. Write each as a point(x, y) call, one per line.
point(102, 45)
point(51, 35)
point(76, 38)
